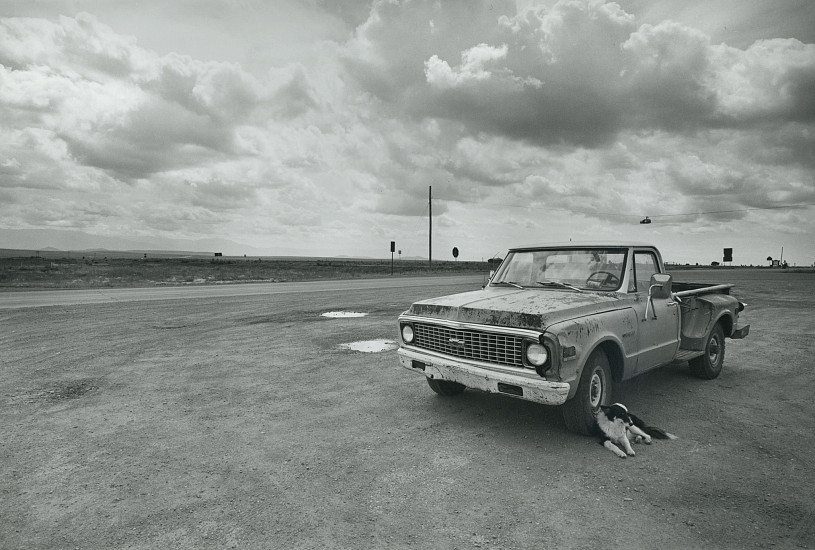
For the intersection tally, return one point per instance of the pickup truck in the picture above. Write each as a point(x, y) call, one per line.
point(556, 324)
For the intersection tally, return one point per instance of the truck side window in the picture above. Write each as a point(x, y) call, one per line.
point(645, 265)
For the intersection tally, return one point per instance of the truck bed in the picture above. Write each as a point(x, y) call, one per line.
point(698, 289)
point(701, 305)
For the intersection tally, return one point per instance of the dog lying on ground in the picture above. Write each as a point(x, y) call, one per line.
point(615, 425)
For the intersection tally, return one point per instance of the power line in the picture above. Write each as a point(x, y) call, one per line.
point(779, 207)
point(737, 210)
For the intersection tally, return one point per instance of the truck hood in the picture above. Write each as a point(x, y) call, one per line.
point(533, 309)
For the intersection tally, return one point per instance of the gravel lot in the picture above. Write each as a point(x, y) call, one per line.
point(242, 422)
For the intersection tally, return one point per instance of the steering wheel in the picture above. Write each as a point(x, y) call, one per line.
point(609, 279)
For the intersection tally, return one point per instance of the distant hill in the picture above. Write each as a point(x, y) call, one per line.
point(53, 253)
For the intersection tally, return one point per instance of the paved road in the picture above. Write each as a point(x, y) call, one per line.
point(40, 298)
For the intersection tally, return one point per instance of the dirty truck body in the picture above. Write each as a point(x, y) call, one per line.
point(557, 324)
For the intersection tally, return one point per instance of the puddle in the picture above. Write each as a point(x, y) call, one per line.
point(57, 391)
point(371, 346)
point(343, 314)
point(71, 390)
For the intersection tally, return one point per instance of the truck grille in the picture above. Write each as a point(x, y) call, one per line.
point(469, 344)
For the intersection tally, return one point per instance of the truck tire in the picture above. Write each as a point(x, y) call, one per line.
point(709, 365)
point(593, 390)
point(445, 387)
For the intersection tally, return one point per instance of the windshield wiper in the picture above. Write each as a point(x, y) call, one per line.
point(558, 284)
point(510, 283)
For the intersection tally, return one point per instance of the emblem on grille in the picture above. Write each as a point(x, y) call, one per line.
point(456, 343)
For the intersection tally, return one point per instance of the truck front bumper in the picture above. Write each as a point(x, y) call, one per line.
point(442, 368)
point(740, 332)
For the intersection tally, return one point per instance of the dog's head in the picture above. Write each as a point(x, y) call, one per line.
point(615, 411)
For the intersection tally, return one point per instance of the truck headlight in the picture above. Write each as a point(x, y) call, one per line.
point(536, 355)
point(407, 334)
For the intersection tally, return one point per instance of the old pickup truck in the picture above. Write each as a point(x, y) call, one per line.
point(556, 324)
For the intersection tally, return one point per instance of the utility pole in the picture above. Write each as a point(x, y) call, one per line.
point(430, 228)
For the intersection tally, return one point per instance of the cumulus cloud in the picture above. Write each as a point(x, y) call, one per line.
point(770, 80)
point(664, 76)
point(124, 109)
point(295, 95)
point(388, 52)
point(474, 66)
point(578, 72)
point(80, 43)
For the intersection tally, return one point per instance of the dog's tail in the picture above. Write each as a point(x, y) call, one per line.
point(658, 433)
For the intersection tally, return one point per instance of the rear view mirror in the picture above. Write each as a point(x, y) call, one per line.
point(660, 286)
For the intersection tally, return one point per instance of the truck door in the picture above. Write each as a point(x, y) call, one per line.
point(657, 338)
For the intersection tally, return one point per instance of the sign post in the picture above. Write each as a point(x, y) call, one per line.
point(393, 249)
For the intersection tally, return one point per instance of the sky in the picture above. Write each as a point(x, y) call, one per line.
point(319, 127)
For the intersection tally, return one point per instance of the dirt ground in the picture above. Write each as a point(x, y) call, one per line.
point(241, 422)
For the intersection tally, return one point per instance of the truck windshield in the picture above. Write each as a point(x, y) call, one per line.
point(576, 269)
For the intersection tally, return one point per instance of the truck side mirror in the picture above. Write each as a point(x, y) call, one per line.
point(660, 286)
point(488, 279)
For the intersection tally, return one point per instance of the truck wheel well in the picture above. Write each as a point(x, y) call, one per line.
point(615, 360)
point(727, 324)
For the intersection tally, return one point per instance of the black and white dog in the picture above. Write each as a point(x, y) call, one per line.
point(615, 424)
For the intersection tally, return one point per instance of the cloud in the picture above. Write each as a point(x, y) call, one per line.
point(217, 194)
point(536, 81)
point(388, 52)
point(295, 96)
point(529, 80)
point(474, 67)
point(664, 76)
point(81, 43)
point(772, 80)
point(221, 91)
point(124, 109)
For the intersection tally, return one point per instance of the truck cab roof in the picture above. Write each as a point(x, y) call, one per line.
point(585, 244)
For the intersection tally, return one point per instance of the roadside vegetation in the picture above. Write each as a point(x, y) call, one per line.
point(87, 272)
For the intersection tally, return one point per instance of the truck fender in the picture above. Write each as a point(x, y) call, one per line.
point(616, 361)
point(700, 314)
point(580, 337)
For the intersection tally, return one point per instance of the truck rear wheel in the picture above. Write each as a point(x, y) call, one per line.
point(709, 365)
point(445, 387)
point(593, 391)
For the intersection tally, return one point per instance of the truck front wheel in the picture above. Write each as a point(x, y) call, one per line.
point(709, 365)
point(445, 387)
point(593, 391)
